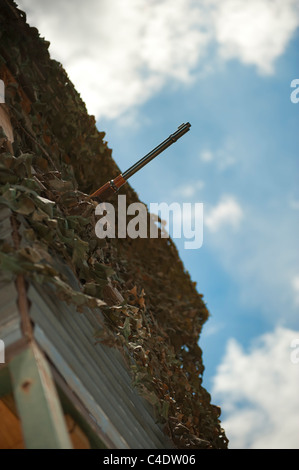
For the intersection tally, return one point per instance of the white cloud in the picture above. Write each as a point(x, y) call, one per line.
point(255, 32)
point(119, 54)
point(258, 392)
point(223, 156)
point(227, 212)
point(212, 327)
point(190, 190)
point(206, 156)
point(294, 204)
point(255, 245)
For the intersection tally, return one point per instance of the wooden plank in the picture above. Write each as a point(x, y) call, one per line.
point(77, 436)
point(10, 430)
point(110, 434)
point(37, 402)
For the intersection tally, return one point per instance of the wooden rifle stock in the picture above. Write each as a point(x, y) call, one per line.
point(111, 187)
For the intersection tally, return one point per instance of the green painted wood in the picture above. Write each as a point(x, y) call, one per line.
point(37, 401)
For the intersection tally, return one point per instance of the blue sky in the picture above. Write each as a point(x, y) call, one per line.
point(226, 67)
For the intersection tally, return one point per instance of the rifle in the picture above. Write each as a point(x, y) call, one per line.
point(111, 187)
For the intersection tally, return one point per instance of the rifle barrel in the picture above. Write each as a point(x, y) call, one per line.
point(182, 129)
point(111, 187)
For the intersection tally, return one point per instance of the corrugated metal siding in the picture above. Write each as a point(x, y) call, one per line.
point(95, 372)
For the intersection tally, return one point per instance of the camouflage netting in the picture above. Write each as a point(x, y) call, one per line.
point(153, 312)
